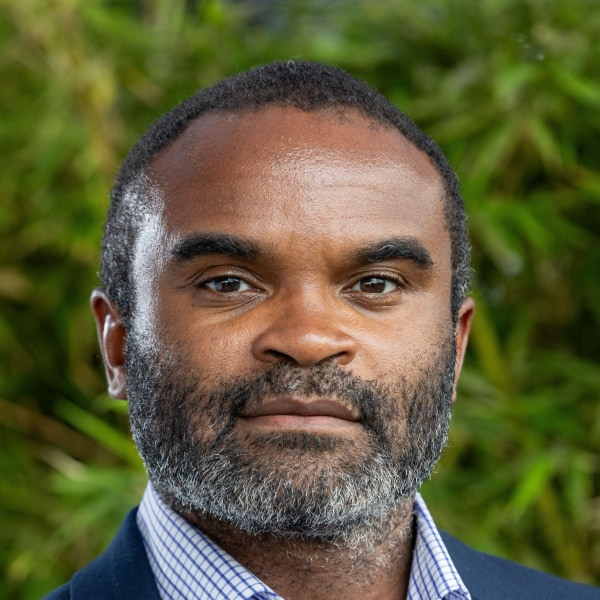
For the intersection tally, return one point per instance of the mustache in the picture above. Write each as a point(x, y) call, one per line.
point(364, 397)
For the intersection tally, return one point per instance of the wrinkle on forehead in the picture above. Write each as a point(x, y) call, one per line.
point(288, 137)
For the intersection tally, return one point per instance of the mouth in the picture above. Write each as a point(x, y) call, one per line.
point(302, 413)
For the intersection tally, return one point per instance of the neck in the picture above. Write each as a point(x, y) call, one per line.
point(371, 563)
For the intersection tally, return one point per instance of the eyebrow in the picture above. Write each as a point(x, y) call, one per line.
point(408, 248)
point(203, 244)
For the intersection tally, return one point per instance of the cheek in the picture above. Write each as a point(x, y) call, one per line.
point(214, 351)
point(399, 346)
point(221, 346)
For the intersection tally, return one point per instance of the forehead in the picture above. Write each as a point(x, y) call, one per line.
point(280, 171)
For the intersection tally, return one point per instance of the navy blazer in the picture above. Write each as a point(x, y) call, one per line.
point(123, 572)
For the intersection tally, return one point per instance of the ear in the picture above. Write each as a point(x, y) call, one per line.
point(111, 335)
point(461, 334)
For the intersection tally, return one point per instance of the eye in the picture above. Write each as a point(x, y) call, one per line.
point(226, 284)
point(375, 285)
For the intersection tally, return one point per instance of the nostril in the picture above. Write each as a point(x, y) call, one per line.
point(340, 358)
point(282, 357)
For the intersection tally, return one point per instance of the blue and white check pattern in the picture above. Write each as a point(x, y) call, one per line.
point(188, 565)
point(432, 573)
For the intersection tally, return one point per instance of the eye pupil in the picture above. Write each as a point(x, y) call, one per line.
point(227, 284)
point(373, 285)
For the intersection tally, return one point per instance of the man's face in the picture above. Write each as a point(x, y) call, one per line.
point(291, 362)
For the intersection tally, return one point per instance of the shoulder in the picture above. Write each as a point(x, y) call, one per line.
point(61, 593)
point(491, 578)
point(121, 572)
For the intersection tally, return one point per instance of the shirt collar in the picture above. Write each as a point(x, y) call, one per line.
point(188, 564)
point(432, 573)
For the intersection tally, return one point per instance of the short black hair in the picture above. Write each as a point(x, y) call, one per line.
point(305, 85)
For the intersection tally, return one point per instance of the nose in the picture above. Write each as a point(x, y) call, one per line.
point(305, 330)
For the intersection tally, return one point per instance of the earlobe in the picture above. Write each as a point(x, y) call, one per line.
point(111, 335)
point(463, 328)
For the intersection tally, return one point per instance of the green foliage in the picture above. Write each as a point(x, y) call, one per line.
point(509, 89)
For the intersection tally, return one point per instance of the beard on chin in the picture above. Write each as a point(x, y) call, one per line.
point(309, 485)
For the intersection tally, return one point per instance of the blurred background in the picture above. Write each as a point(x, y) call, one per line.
point(510, 90)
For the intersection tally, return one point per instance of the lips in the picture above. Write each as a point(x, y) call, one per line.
point(303, 407)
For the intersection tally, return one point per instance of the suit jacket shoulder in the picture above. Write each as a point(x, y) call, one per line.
point(121, 572)
point(488, 577)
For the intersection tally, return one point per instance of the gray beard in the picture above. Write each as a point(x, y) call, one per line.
point(302, 485)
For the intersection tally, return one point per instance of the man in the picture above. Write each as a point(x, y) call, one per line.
point(285, 269)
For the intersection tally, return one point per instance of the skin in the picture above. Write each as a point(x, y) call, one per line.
point(310, 192)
